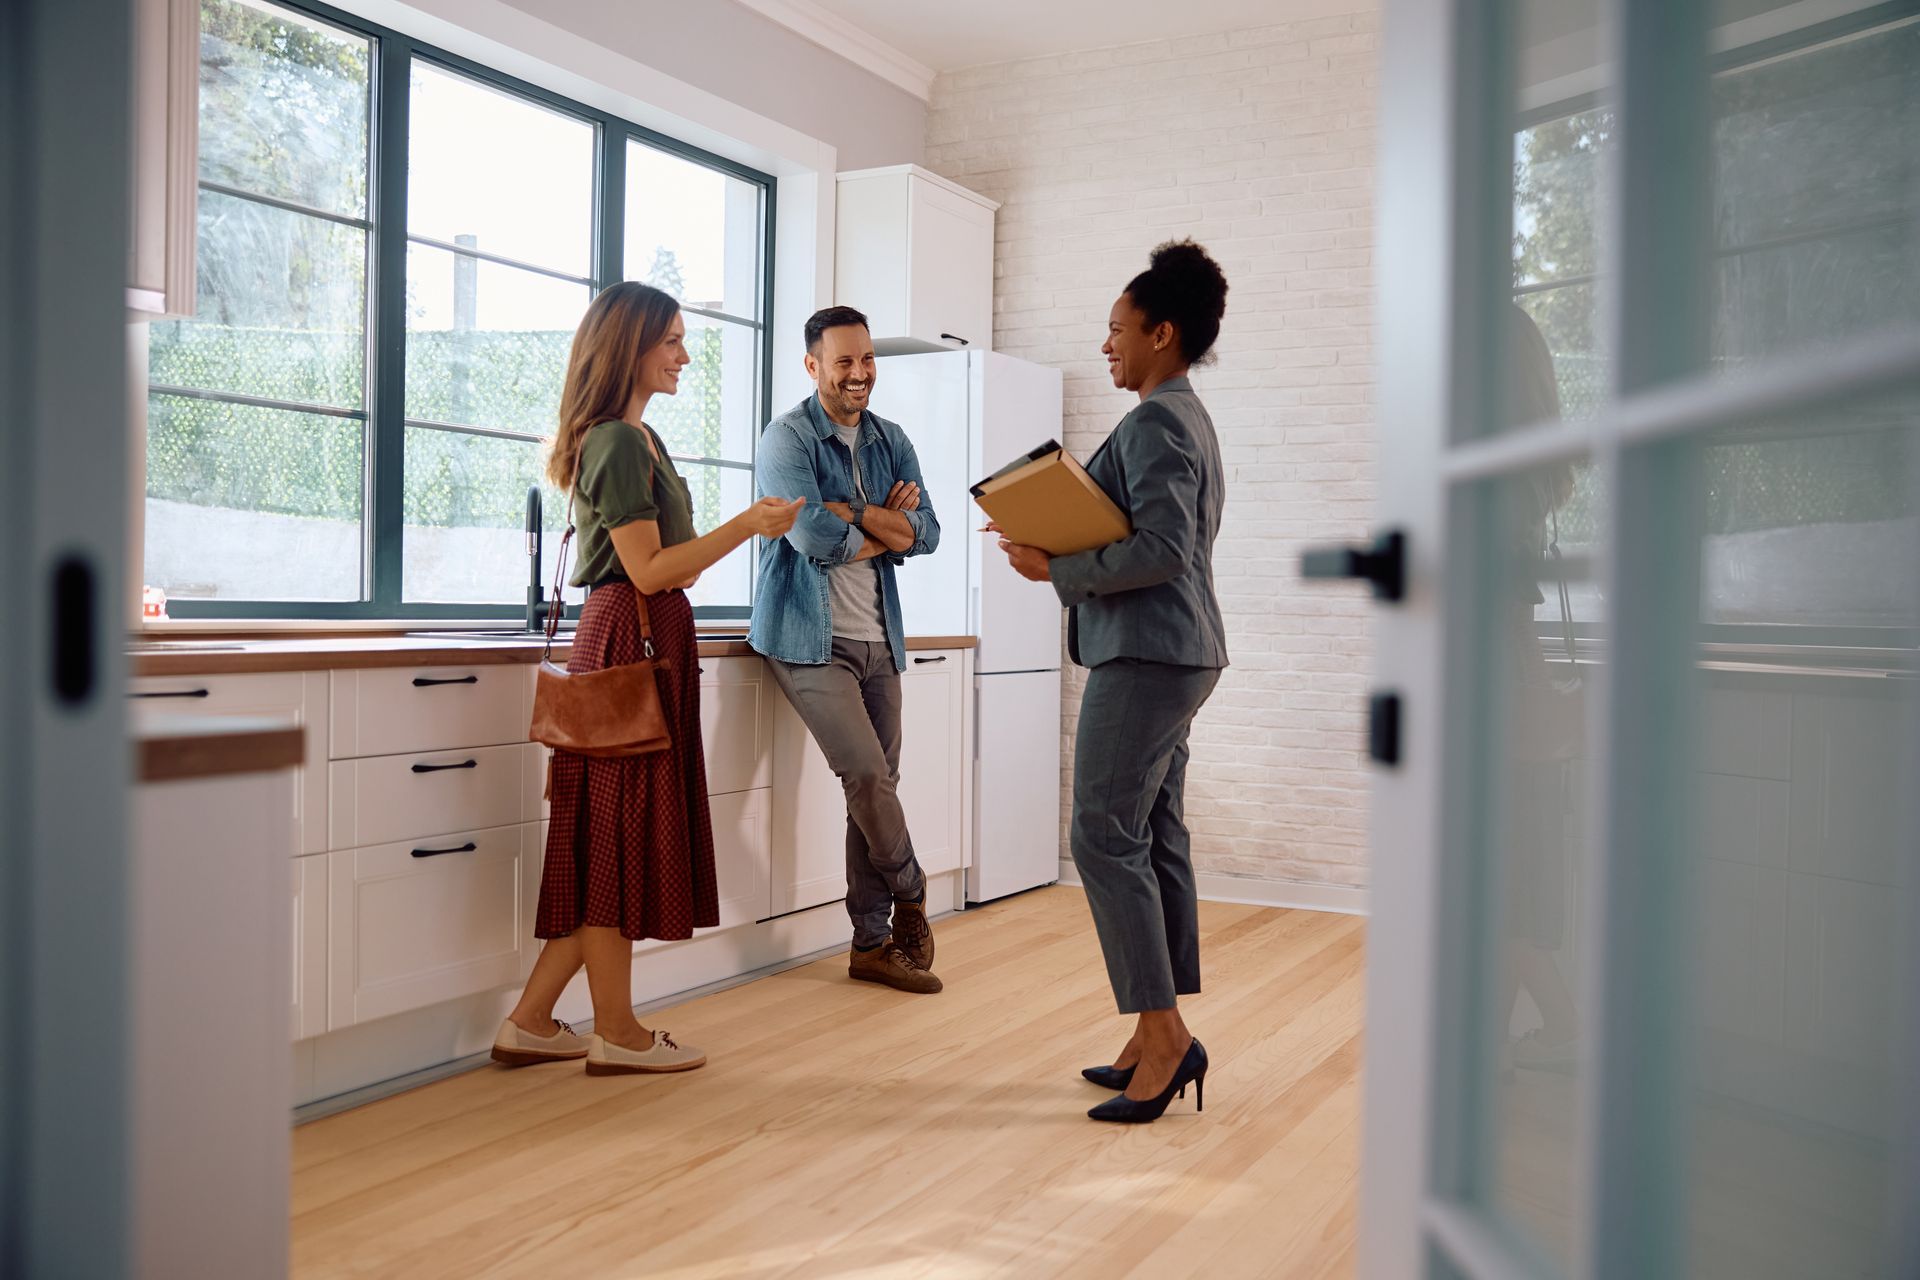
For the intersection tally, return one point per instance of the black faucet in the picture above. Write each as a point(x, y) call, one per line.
point(536, 600)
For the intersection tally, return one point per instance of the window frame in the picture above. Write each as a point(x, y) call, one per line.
point(1820, 645)
point(383, 407)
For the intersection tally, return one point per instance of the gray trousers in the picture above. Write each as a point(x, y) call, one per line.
point(851, 706)
point(1129, 833)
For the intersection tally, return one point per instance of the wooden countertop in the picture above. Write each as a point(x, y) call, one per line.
point(175, 746)
point(226, 655)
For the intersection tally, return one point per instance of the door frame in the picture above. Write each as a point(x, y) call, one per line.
point(1443, 218)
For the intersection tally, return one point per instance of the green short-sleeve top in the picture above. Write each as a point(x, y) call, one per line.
point(621, 480)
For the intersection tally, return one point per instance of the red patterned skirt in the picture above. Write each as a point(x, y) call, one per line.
point(630, 845)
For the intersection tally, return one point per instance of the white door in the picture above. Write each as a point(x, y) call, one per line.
point(1016, 790)
point(63, 753)
point(1644, 963)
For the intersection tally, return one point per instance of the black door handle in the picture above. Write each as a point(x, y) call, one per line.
point(175, 693)
point(468, 847)
point(917, 661)
point(1383, 727)
point(954, 337)
point(1384, 564)
point(436, 768)
point(75, 664)
point(426, 682)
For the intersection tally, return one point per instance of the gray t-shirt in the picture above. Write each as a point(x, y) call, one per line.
point(853, 590)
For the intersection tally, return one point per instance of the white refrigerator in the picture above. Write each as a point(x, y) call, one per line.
point(968, 414)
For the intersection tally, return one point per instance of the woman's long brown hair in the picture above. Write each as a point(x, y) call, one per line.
point(625, 322)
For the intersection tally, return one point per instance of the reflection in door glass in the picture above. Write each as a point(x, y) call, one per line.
point(1801, 982)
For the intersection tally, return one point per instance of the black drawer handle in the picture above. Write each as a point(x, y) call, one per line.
point(436, 768)
point(426, 682)
point(954, 337)
point(468, 847)
point(921, 660)
point(174, 693)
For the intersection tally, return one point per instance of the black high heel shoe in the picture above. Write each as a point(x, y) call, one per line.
point(1192, 1070)
point(1115, 1078)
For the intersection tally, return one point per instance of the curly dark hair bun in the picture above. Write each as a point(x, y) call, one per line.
point(1184, 285)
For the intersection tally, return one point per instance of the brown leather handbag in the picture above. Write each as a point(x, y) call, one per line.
point(615, 711)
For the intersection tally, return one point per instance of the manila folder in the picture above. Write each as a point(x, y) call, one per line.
point(1047, 500)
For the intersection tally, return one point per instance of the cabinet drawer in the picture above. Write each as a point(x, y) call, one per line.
point(385, 711)
point(387, 798)
point(736, 724)
point(417, 922)
point(300, 694)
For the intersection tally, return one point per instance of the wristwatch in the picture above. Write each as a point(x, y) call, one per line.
point(858, 507)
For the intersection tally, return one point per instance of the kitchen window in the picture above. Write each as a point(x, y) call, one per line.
point(395, 247)
point(1812, 153)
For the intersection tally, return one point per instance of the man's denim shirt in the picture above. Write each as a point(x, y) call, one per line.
point(801, 457)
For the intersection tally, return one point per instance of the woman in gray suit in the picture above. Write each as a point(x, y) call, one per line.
point(1142, 615)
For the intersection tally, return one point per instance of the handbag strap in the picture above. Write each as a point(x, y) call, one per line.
point(558, 607)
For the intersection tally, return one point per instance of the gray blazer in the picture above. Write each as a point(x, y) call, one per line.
point(1150, 595)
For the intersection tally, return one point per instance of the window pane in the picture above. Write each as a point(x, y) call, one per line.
point(281, 312)
point(283, 106)
point(252, 504)
point(1559, 192)
point(1816, 156)
point(693, 231)
point(497, 173)
point(719, 494)
point(717, 411)
point(486, 344)
point(466, 518)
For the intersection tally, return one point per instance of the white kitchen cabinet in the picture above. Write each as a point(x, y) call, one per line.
point(390, 710)
point(301, 695)
point(808, 857)
point(166, 158)
point(309, 945)
point(915, 253)
point(933, 757)
point(736, 724)
point(417, 922)
point(742, 828)
point(390, 798)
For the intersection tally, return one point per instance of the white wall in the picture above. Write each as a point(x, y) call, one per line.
point(736, 54)
point(1259, 144)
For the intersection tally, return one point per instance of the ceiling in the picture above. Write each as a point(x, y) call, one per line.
point(917, 38)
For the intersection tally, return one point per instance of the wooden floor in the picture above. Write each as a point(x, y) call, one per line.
point(843, 1129)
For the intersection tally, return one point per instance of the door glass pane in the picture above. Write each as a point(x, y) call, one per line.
point(716, 413)
point(1563, 135)
point(246, 503)
point(1524, 851)
point(693, 231)
point(487, 345)
point(496, 172)
point(1800, 961)
point(466, 512)
point(1815, 160)
point(281, 309)
point(283, 106)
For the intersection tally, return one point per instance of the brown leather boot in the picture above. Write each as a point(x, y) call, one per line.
point(913, 933)
point(889, 964)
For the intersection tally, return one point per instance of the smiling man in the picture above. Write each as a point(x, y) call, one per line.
point(827, 618)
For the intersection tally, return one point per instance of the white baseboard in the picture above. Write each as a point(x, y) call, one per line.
point(1296, 894)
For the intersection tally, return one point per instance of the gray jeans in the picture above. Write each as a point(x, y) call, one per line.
point(851, 706)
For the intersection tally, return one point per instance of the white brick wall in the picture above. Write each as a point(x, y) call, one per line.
point(1258, 144)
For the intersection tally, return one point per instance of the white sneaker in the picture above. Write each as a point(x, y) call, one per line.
point(519, 1048)
point(605, 1059)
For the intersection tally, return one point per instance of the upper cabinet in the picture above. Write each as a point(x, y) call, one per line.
point(166, 157)
point(915, 252)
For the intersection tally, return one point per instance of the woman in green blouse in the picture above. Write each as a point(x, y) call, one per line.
point(630, 844)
